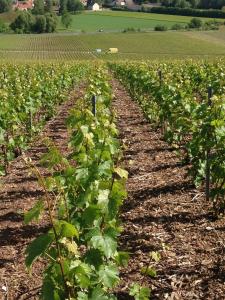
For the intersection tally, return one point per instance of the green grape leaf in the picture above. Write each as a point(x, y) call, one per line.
point(139, 292)
point(34, 213)
point(90, 214)
point(122, 258)
point(38, 247)
point(109, 275)
point(155, 255)
point(150, 271)
point(65, 229)
point(105, 244)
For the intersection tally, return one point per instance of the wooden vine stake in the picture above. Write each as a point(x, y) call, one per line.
point(207, 171)
point(94, 100)
point(160, 77)
point(160, 84)
point(31, 122)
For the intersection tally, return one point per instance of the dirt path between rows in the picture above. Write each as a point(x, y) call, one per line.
point(165, 213)
point(18, 193)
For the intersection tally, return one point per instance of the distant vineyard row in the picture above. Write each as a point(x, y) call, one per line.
point(29, 96)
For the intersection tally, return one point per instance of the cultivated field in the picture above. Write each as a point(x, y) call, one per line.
point(152, 45)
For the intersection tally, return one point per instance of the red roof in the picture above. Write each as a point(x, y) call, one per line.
point(24, 5)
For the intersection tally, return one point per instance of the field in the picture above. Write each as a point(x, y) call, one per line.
point(152, 45)
point(110, 21)
point(118, 21)
point(78, 45)
point(112, 166)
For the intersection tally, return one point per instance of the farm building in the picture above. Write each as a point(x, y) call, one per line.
point(95, 7)
point(120, 3)
point(84, 2)
point(23, 5)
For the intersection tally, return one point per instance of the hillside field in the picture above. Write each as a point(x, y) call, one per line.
point(113, 21)
point(152, 45)
point(119, 20)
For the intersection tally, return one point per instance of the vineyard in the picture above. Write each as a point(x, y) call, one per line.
point(112, 181)
point(70, 47)
point(188, 104)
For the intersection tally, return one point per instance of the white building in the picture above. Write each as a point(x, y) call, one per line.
point(95, 7)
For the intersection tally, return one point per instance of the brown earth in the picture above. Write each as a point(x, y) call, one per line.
point(165, 213)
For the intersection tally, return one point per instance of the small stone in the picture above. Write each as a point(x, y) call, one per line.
point(4, 288)
point(209, 228)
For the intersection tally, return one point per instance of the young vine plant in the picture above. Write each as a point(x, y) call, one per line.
point(82, 198)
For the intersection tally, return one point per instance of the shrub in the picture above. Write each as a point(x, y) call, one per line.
point(3, 27)
point(160, 28)
point(66, 19)
point(129, 29)
point(74, 6)
point(177, 27)
point(195, 23)
point(212, 25)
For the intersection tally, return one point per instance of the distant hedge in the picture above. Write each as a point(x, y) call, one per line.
point(208, 13)
point(120, 8)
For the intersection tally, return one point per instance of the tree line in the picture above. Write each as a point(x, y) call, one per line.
point(201, 4)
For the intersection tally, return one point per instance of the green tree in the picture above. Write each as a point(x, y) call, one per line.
point(194, 3)
point(100, 2)
point(5, 5)
point(51, 23)
point(66, 19)
point(62, 6)
point(184, 4)
point(212, 4)
point(74, 6)
point(23, 23)
point(39, 7)
point(167, 2)
point(40, 24)
point(48, 5)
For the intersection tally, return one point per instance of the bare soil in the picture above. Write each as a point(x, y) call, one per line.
point(165, 213)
